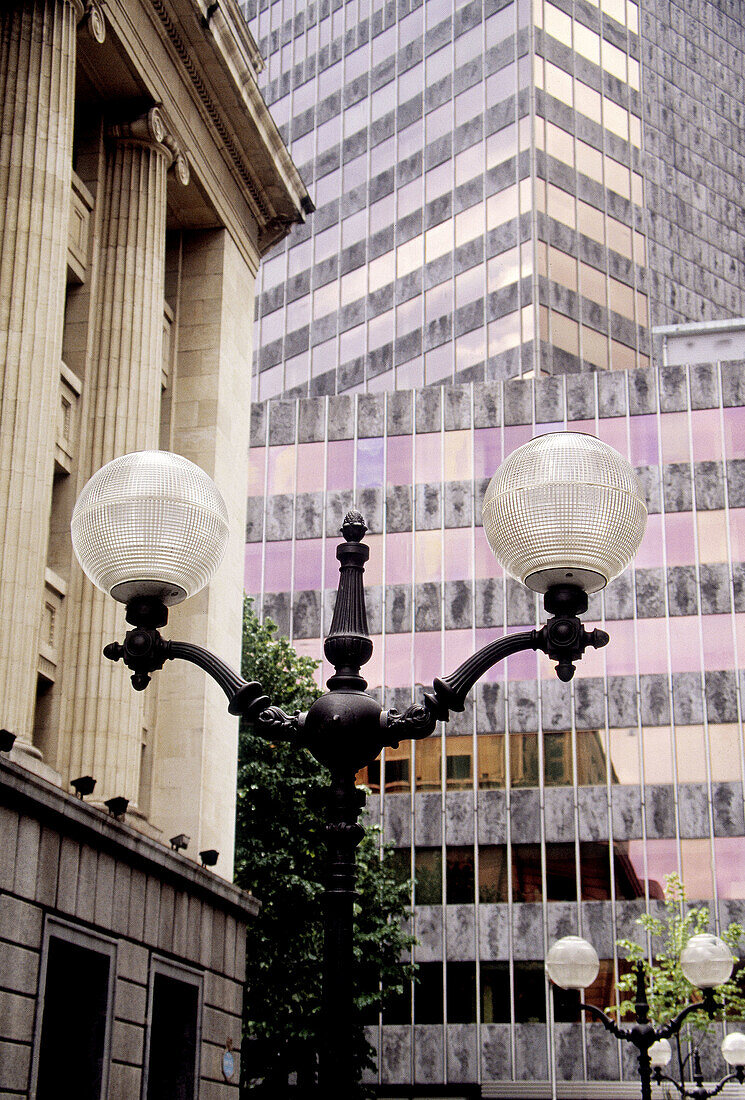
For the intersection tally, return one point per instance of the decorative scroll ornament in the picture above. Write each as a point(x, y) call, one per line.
point(151, 129)
point(93, 21)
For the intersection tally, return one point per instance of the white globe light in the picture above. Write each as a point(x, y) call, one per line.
point(150, 523)
point(733, 1049)
point(660, 1053)
point(572, 963)
point(706, 961)
point(564, 508)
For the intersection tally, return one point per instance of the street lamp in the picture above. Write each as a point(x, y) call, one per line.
point(706, 961)
point(564, 515)
point(733, 1052)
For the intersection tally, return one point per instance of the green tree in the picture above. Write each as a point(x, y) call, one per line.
point(669, 991)
point(280, 857)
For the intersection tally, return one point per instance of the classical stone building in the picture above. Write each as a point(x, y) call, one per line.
point(141, 180)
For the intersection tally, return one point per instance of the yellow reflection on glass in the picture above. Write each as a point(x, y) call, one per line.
point(595, 347)
point(427, 556)
point(696, 870)
point(690, 755)
point(725, 748)
point(712, 536)
point(491, 765)
point(658, 757)
point(427, 763)
point(458, 457)
point(624, 752)
point(281, 470)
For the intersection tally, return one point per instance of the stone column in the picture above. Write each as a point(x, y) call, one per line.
point(105, 717)
point(37, 86)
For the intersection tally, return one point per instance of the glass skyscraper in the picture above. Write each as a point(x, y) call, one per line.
point(511, 197)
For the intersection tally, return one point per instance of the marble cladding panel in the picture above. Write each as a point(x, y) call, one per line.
point(659, 811)
point(622, 701)
point(561, 919)
point(399, 413)
point(370, 415)
point(279, 517)
point(733, 384)
point(487, 404)
point(311, 420)
point(655, 699)
point(457, 407)
point(372, 1034)
point(627, 917)
point(459, 604)
point(370, 503)
point(673, 388)
point(461, 722)
point(490, 716)
point(459, 503)
point(705, 389)
point(309, 515)
point(460, 932)
point(721, 696)
point(281, 422)
point(277, 608)
point(254, 519)
point(612, 393)
point(427, 506)
point(602, 1053)
point(693, 810)
point(522, 705)
point(518, 402)
point(618, 598)
point(527, 931)
point(427, 607)
point(372, 810)
point(525, 815)
point(626, 804)
point(428, 1053)
point(398, 608)
point(580, 396)
point(531, 1054)
point(732, 909)
point(258, 425)
point(709, 485)
point(398, 507)
point(568, 1052)
point(549, 400)
point(736, 482)
point(462, 1058)
point(597, 925)
point(593, 813)
point(650, 593)
point(651, 483)
point(374, 607)
point(521, 605)
point(738, 585)
point(677, 490)
point(459, 817)
point(729, 819)
point(556, 704)
point(395, 1055)
point(397, 819)
point(492, 817)
point(494, 931)
point(306, 614)
point(682, 590)
point(589, 703)
point(642, 392)
point(341, 417)
point(428, 818)
point(489, 602)
point(495, 1052)
point(559, 813)
point(428, 409)
point(338, 503)
point(714, 590)
point(429, 932)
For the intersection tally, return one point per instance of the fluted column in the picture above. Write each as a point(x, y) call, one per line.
point(106, 718)
point(37, 84)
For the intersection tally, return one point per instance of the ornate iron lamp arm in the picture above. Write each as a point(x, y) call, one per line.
point(699, 1092)
point(609, 1024)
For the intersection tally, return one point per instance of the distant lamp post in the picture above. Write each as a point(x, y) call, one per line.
point(706, 961)
point(733, 1052)
point(564, 515)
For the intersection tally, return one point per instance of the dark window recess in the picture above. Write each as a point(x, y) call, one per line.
point(428, 874)
point(173, 1040)
point(458, 773)
point(595, 872)
point(561, 878)
point(461, 997)
point(73, 1028)
point(459, 881)
point(397, 775)
point(530, 993)
point(526, 872)
point(398, 860)
point(428, 1000)
point(495, 993)
point(492, 872)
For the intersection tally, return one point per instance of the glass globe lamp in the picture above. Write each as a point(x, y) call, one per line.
point(150, 524)
point(660, 1054)
point(733, 1049)
point(572, 963)
point(564, 508)
point(706, 960)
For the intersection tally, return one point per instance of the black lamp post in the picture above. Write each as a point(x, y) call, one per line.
point(583, 492)
point(699, 1091)
point(572, 963)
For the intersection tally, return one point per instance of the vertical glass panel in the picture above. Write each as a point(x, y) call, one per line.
point(725, 748)
point(308, 564)
point(626, 874)
point(495, 993)
point(397, 770)
point(428, 451)
point(277, 566)
point(524, 759)
point(457, 554)
point(398, 659)
point(591, 759)
point(459, 875)
point(526, 872)
point(561, 874)
point(697, 869)
point(530, 992)
point(428, 994)
point(658, 762)
point(624, 751)
point(461, 996)
point(369, 463)
point(428, 763)
point(458, 761)
point(340, 464)
point(557, 758)
point(493, 873)
point(398, 559)
point(679, 537)
point(428, 874)
point(730, 866)
point(491, 762)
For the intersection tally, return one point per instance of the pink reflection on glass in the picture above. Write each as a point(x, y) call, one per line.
point(612, 430)
point(369, 463)
point(398, 660)
point(652, 642)
point(486, 564)
point(740, 633)
point(679, 539)
point(734, 432)
point(522, 666)
point(547, 429)
point(587, 426)
point(374, 567)
point(485, 635)
point(458, 648)
point(719, 651)
point(252, 567)
point(515, 437)
point(281, 474)
point(696, 871)
point(427, 657)
point(650, 551)
point(428, 449)
point(707, 436)
point(400, 458)
point(592, 664)
point(644, 446)
point(487, 451)
point(308, 564)
point(256, 459)
point(373, 670)
point(309, 467)
point(662, 859)
point(621, 649)
point(277, 566)
point(428, 556)
point(737, 533)
point(331, 565)
point(729, 852)
point(674, 434)
point(340, 473)
point(398, 557)
point(457, 554)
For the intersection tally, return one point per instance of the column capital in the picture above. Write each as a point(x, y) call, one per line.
point(90, 16)
point(150, 129)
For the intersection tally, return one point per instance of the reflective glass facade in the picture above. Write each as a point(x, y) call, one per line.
point(544, 808)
